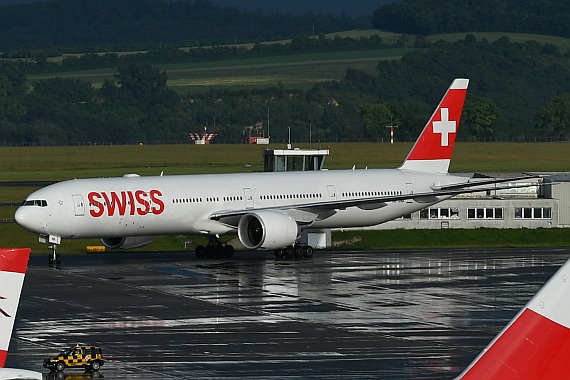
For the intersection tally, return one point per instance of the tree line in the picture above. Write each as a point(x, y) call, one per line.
point(517, 91)
point(546, 17)
point(39, 62)
point(78, 26)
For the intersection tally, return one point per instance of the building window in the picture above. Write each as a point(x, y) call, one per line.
point(485, 213)
point(440, 213)
point(533, 213)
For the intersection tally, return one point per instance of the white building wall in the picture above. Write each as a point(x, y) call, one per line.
point(561, 191)
point(482, 213)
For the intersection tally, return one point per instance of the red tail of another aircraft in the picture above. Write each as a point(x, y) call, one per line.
point(536, 343)
point(13, 265)
point(433, 149)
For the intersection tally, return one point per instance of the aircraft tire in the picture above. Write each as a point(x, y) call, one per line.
point(279, 254)
point(308, 252)
point(289, 252)
point(229, 251)
point(200, 251)
point(298, 252)
point(210, 251)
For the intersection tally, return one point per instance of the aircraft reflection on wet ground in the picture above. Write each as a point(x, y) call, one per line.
point(394, 315)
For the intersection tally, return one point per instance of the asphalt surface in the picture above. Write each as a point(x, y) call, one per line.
point(340, 315)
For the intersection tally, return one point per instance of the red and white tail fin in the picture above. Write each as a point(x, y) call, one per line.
point(13, 265)
point(433, 149)
point(536, 343)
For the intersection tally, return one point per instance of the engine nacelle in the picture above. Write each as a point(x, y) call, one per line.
point(128, 242)
point(267, 229)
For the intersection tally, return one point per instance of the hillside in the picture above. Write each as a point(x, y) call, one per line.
point(336, 7)
point(343, 86)
point(425, 17)
point(80, 26)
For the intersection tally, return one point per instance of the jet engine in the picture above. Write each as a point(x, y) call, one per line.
point(267, 229)
point(128, 242)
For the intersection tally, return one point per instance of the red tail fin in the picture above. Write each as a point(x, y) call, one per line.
point(13, 264)
point(433, 149)
point(536, 343)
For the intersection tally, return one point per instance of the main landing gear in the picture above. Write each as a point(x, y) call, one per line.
point(296, 251)
point(215, 249)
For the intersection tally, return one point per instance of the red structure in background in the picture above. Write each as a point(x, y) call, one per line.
point(201, 138)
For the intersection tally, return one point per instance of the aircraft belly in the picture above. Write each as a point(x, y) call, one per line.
point(148, 225)
point(357, 217)
point(88, 227)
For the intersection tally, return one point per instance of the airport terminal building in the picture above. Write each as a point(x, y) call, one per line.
point(544, 203)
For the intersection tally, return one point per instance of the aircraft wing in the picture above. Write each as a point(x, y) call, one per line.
point(309, 212)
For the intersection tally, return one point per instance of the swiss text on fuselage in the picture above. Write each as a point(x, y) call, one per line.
point(129, 202)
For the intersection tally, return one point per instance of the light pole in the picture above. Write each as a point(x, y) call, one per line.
point(391, 132)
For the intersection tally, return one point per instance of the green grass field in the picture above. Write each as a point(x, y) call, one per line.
point(292, 71)
point(59, 163)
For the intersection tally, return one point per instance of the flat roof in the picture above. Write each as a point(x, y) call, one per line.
point(298, 152)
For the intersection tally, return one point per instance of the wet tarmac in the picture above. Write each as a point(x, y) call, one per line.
point(357, 315)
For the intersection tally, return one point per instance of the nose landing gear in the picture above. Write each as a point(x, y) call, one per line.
point(53, 241)
point(54, 257)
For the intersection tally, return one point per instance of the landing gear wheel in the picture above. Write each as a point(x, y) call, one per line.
point(229, 251)
point(210, 251)
point(200, 251)
point(54, 257)
point(308, 252)
point(279, 254)
point(298, 251)
point(289, 252)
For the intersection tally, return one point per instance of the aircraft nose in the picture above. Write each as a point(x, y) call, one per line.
point(22, 217)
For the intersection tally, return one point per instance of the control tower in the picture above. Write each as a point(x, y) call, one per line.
point(287, 160)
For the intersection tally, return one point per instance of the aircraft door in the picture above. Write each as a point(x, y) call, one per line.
point(78, 205)
point(248, 196)
point(332, 192)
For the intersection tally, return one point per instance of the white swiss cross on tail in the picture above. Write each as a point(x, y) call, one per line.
point(445, 127)
point(433, 149)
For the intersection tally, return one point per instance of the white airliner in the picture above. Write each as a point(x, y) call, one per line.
point(13, 265)
point(266, 210)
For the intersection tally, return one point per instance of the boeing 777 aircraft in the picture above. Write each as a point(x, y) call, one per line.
point(13, 265)
point(266, 210)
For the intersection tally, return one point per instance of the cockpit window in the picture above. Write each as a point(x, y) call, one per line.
point(35, 202)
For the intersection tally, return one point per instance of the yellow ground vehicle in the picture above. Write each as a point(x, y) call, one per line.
point(88, 357)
